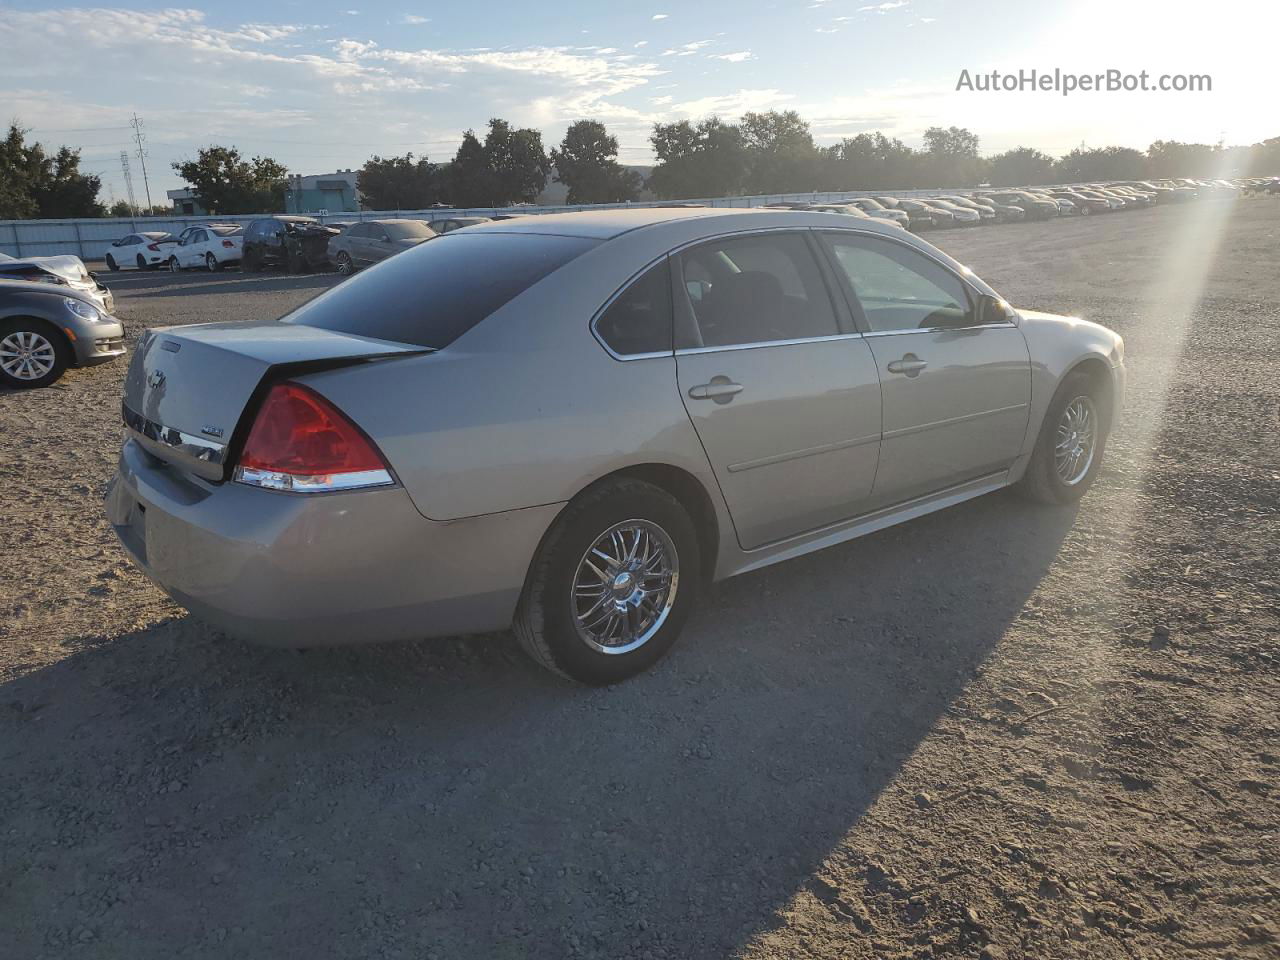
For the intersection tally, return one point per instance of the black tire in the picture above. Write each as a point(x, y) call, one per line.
point(142, 262)
point(111, 264)
point(51, 335)
point(174, 265)
point(250, 261)
point(546, 620)
point(345, 266)
point(1042, 481)
point(212, 263)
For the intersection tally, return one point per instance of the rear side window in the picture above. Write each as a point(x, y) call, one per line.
point(755, 289)
point(639, 319)
point(436, 292)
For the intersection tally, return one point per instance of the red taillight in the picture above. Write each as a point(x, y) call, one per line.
point(299, 441)
point(155, 247)
point(228, 244)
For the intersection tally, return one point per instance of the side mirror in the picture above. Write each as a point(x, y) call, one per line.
point(994, 310)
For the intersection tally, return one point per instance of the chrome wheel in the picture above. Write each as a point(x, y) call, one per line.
point(1077, 440)
point(173, 265)
point(27, 355)
point(625, 586)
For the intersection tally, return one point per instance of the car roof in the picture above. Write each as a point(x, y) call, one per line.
point(606, 224)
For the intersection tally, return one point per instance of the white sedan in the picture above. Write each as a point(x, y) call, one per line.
point(212, 246)
point(146, 251)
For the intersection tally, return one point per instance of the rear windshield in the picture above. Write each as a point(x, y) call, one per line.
point(435, 292)
point(408, 230)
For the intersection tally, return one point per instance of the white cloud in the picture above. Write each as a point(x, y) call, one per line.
point(733, 104)
point(687, 49)
point(661, 16)
point(883, 7)
point(642, 43)
point(738, 57)
point(414, 19)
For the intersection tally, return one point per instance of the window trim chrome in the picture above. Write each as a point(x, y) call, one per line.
point(759, 344)
point(853, 229)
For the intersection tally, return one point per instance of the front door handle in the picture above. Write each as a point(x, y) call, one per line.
point(720, 389)
point(911, 365)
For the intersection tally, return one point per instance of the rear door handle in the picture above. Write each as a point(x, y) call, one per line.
point(911, 365)
point(720, 389)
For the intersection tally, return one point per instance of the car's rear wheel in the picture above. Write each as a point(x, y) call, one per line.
point(612, 584)
point(174, 266)
point(345, 266)
point(111, 263)
point(1069, 450)
point(32, 353)
point(250, 261)
point(1085, 211)
point(212, 263)
point(142, 262)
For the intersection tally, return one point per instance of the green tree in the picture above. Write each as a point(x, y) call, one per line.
point(951, 157)
point(1102, 163)
point(509, 167)
point(34, 183)
point(518, 163)
point(587, 163)
point(398, 183)
point(1169, 158)
point(467, 177)
point(870, 161)
point(223, 182)
point(781, 157)
point(120, 208)
point(708, 159)
point(1020, 166)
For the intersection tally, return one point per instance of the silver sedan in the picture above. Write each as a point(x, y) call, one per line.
point(569, 424)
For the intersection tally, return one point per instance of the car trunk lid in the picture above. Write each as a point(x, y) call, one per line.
point(188, 388)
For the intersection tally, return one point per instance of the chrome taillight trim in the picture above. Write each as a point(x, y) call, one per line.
point(320, 483)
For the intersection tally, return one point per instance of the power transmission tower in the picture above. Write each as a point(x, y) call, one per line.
point(140, 138)
point(128, 181)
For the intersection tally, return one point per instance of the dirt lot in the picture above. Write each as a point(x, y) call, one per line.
point(1002, 731)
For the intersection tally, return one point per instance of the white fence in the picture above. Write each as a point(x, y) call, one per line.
point(89, 239)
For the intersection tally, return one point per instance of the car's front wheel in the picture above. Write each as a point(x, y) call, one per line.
point(212, 263)
point(1069, 450)
point(111, 263)
point(612, 583)
point(32, 353)
point(174, 266)
point(345, 266)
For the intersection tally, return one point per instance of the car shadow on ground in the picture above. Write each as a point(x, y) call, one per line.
point(198, 283)
point(449, 798)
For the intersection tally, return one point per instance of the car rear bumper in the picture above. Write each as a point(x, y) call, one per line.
point(301, 570)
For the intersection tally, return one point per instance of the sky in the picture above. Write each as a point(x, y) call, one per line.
point(322, 86)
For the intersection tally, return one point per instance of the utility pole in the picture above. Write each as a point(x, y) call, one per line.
point(140, 138)
point(128, 182)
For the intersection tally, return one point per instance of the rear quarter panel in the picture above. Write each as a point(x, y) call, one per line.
point(527, 408)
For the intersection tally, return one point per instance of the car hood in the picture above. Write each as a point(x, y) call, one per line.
point(67, 267)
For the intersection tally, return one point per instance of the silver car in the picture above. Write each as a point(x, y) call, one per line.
point(569, 424)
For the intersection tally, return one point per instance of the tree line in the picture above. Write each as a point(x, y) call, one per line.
point(762, 153)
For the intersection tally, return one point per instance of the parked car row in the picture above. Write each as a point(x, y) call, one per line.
point(1030, 203)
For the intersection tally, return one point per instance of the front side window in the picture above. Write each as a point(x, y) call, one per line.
point(639, 319)
point(754, 289)
point(898, 288)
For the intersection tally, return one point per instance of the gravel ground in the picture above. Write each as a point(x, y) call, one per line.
point(1002, 731)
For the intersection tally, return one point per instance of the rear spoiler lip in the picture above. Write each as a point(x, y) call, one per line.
point(194, 452)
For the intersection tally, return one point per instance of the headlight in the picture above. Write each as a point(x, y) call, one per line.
point(82, 310)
